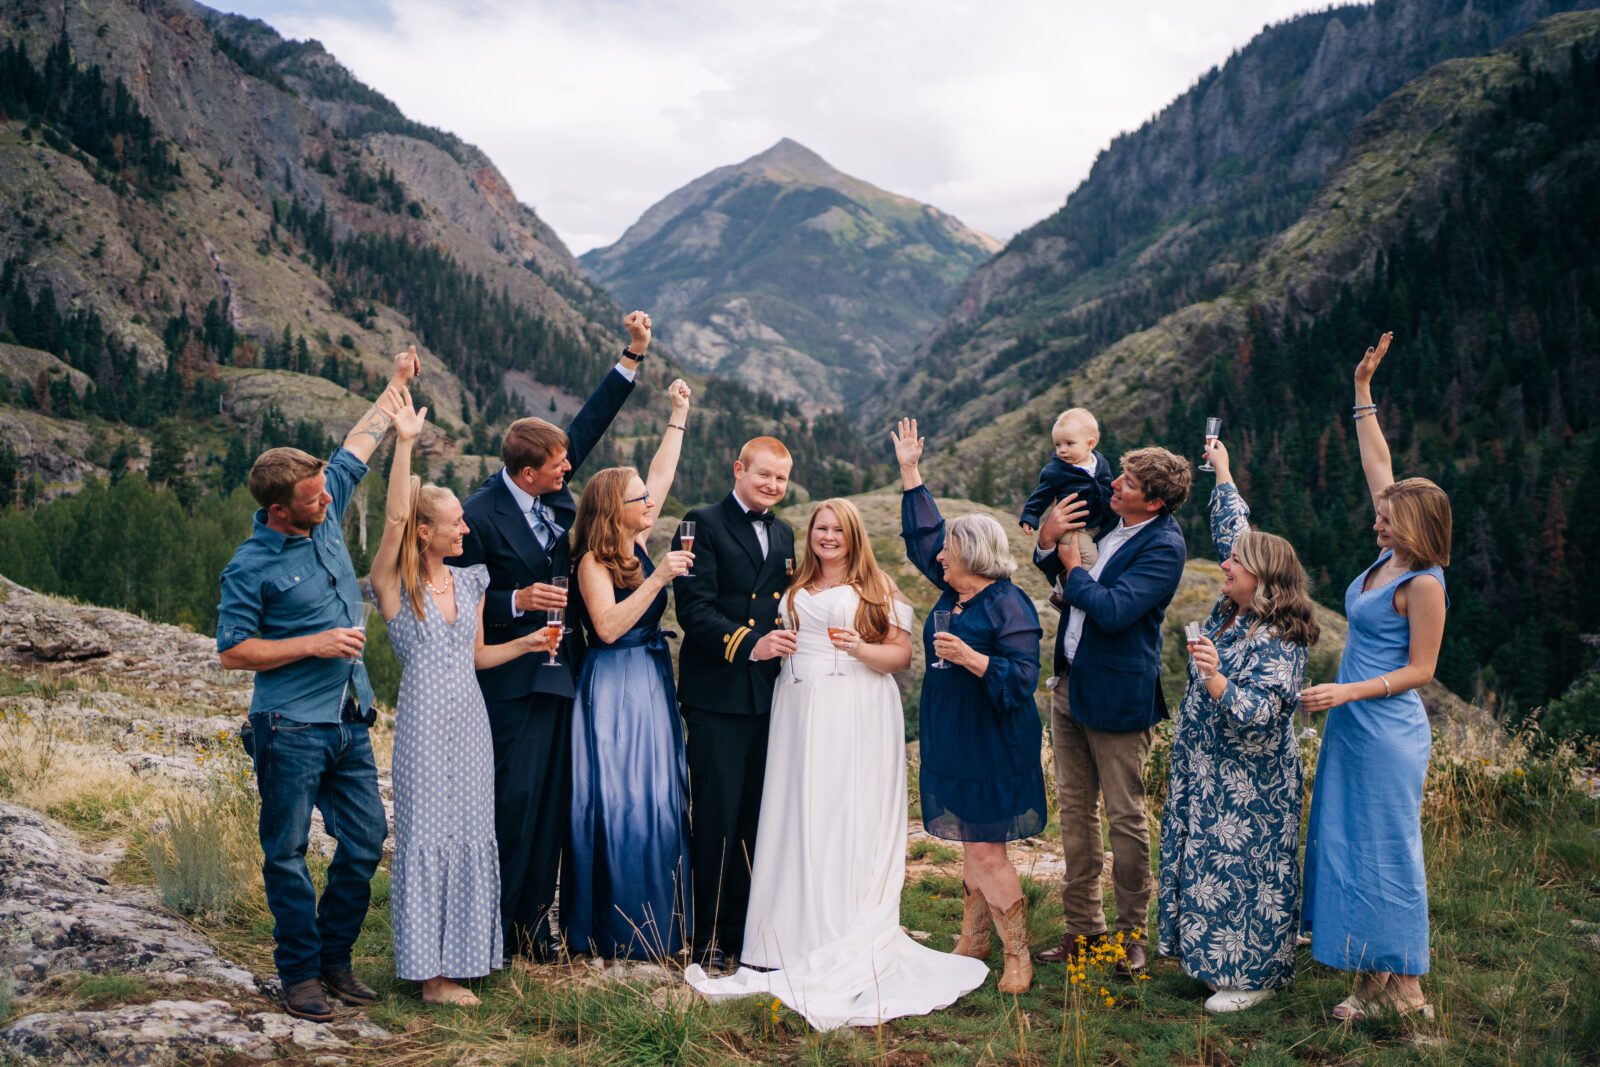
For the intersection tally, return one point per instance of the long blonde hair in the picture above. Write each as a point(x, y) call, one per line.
point(598, 528)
point(1282, 600)
point(427, 502)
point(862, 572)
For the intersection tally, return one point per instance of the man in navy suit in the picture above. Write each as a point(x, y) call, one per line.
point(519, 520)
point(1108, 651)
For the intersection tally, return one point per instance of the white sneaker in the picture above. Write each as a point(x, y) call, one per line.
point(1225, 1000)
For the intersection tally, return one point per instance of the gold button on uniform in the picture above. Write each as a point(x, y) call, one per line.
point(750, 622)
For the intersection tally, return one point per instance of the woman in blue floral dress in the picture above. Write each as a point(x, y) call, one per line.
point(1230, 878)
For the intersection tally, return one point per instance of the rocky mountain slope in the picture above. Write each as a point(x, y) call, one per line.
point(205, 222)
point(786, 274)
point(1174, 212)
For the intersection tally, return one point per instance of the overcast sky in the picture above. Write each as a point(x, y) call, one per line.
point(992, 110)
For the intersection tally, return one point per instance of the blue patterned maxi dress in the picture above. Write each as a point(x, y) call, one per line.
point(1230, 879)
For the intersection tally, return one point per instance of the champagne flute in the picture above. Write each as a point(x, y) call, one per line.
point(1213, 430)
point(686, 539)
point(1191, 633)
point(560, 582)
point(553, 623)
point(838, 626)
point(794, 628)
point(941, 625)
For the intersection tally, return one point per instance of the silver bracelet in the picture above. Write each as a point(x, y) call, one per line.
point(1387, 691)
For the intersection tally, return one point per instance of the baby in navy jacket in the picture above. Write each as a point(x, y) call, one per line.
point(1077, 467)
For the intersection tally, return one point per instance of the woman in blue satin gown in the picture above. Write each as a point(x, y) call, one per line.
point(628, 894)
point(1366, 889)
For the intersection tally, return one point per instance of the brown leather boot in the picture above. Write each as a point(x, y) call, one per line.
point(1013, 926)
point(974, 940)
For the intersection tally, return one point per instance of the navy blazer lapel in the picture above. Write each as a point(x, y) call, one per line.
point(743, 531)
point(514, 528)
point(1130, 547)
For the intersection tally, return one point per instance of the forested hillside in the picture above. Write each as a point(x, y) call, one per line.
point(1463, 216)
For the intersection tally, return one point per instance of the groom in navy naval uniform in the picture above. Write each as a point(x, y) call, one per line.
point(518, 522)
point(728, 607)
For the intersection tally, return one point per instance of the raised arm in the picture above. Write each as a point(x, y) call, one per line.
point(1230, 515)
point(408, 423)
point(921, 525)
point(1375, 460)
point(596, 415)
point(367, 434)
point(658, 483)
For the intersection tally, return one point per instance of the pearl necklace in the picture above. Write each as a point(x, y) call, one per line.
point(448, 578)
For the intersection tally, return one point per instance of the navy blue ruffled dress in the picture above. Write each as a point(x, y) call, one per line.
point(630, 786)
point(981, 776)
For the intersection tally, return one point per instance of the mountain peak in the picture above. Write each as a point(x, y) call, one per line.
point(791, 162)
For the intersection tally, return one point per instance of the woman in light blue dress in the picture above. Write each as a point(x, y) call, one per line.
point(628, 891)
point(445, 896)
point(1230, 830)
point(1366, 897)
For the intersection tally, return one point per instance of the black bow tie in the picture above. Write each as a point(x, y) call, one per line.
point(759, 516)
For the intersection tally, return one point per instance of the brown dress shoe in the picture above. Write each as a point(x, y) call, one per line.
point(306, 1000)
point(1071, 948)
point(1013, 926)
point(974, 940)
point(1137, 960)
point(344, 984)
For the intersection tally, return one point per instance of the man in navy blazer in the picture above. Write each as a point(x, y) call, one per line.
point(518, 522)
point(1108, 652)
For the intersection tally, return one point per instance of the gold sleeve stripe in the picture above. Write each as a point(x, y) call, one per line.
point(733, 642)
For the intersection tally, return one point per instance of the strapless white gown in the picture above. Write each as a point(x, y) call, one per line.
point(830, 854)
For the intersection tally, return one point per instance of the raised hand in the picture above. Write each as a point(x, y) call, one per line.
point(680, 394)
point(407, 366)
point(638, 326)
point(408, 421)
point(1217, 456)
point(907, 445)
point(1369, 362)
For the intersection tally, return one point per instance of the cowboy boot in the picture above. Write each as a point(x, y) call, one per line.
point(1013, 926)
point(974, 939)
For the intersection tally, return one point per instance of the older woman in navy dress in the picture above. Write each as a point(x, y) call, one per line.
point(981, 779)
point(1230, 831)
point(1366, 901)
point(628, 892)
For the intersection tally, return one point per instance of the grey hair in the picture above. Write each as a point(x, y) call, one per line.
point(980, 544)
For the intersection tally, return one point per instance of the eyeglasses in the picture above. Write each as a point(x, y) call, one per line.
point(636, 499)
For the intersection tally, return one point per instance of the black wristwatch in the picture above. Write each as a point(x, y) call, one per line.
point(628, 353)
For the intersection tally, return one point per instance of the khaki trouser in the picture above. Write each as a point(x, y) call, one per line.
point(1091, 764)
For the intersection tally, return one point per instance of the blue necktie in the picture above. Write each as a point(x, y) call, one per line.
point(545, 528)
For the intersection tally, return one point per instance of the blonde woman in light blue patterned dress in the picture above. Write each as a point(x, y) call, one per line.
point(1230, 878)
point(445, 889)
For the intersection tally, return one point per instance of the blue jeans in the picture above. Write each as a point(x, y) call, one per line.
point(330, 765)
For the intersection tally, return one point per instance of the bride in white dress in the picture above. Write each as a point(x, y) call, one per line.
point(822, 932)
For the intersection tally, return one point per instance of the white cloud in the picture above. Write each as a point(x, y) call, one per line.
point(992, 111)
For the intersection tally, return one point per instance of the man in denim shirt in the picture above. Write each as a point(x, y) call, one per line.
point(292, 612)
